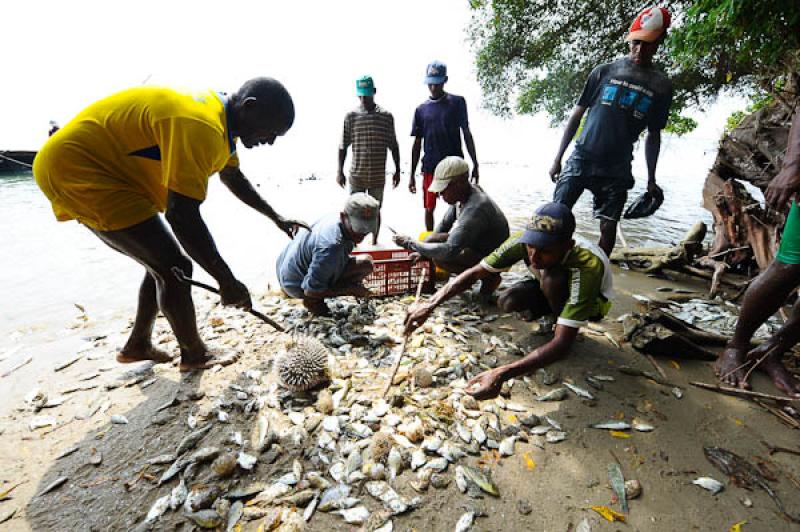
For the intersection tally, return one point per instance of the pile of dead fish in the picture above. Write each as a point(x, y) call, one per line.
point(345, 450)
point(717, 317)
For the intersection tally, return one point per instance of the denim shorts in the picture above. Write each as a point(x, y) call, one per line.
point(610, 192)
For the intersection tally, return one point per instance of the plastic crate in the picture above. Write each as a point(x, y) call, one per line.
point(394, 274)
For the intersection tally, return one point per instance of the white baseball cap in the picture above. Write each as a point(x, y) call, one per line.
point(448, 169)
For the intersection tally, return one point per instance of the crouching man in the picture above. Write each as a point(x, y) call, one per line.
point(317, 263)
point(472, 227)
point(570, 280)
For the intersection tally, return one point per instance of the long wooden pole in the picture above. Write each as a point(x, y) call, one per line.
point(405, 341)
point(745, 393)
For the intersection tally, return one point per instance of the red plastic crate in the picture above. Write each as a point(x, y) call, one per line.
point(394, 273)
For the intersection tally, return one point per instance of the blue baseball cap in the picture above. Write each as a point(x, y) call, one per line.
point(552, 223)
point(436, 73)
point(365, 86)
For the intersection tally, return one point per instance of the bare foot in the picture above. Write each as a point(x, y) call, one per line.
point(317, 307)
point(730, 367)
point(212, 357)
point(783, 380)
point(128, 355)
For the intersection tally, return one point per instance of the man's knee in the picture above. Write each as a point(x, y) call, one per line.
point(511, 300)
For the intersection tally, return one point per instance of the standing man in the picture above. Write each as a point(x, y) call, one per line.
point(370, 129)
point(439, 121)
point(146, 150)
point(769, 291)
point(623, 98)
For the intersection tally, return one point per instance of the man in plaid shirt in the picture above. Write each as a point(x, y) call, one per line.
point(370, 129)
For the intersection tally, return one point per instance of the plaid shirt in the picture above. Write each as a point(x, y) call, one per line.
point(371, 134)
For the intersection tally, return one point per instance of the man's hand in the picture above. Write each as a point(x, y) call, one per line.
point(416, 316)
point(340, 179)
point(415, 257)
point(396, 179)
point(782, 188)
point(555, 171)
point(486, 385)
point(360, 290)
point(475, 175)
point(412, 185)
point(402, 240)
point(291, 227)
point(655, 190)
point(234, 293)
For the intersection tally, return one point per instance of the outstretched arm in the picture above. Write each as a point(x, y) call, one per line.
point(652, 147)
point(419, 312)
point(235, 180)
point(487, 385)
point(573, 124)
point(183, 215)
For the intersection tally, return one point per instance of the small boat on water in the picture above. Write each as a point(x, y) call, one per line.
point(16, 160)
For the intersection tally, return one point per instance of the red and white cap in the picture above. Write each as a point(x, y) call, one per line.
point(650, 25)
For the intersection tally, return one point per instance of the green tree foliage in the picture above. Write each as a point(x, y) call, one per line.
point(535, 55)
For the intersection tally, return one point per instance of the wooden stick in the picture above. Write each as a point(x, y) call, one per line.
point(655, 365)
point(745, 393)
point(405, 341)
point(785, 418)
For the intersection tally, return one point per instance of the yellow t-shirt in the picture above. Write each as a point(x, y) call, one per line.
point(112, 165)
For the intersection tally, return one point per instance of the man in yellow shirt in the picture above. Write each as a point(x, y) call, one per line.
point(143, 151)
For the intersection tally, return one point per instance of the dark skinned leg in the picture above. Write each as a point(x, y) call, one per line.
point(357, 269)
point(152, 245)
point(608, 235)
point(763, 298)
point(139, 345)
point(377, 231)
point(524, 296)
point(429, 219)
point(783, 340)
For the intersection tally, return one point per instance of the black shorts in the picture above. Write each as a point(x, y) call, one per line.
point(610, 193)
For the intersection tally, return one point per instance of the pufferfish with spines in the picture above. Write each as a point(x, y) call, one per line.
point(304, 365)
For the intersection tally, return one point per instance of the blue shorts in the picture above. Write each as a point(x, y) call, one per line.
point(610, 192)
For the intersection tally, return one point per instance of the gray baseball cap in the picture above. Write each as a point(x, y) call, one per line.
point(362, 212)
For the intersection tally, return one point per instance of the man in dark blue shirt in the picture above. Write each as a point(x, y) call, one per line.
point(439, 121)
point(623, 98)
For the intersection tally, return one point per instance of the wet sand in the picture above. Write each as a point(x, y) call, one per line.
point(566, 480)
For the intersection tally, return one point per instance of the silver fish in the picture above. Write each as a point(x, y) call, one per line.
point(234, 515)
point(559, 394)
point(556, 436)
point(465, 522)
point(479, 434)
point(192, 440)
point(577, 390)
point(642, 427)
point(354, 516)
point(507, 446)
point(611, 425)
point(158, 509)
point(714, 486)
point(178, 495)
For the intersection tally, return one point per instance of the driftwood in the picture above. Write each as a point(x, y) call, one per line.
point(753, 152)
point(660, 334)
point(657, 258)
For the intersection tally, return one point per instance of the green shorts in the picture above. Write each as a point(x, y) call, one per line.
point(789, 251)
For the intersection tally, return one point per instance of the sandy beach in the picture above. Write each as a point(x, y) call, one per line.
point(109, 484)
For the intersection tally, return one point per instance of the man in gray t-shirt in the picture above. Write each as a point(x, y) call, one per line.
point(623, 98)
point(473, 227)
